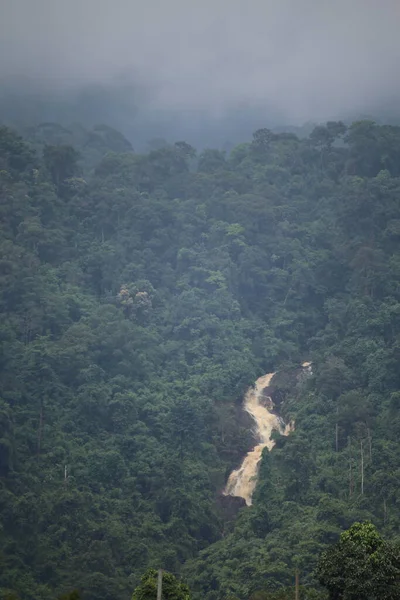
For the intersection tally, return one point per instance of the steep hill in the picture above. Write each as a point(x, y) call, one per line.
point(139, 300)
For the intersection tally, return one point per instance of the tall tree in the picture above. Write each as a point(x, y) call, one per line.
point(361, 565)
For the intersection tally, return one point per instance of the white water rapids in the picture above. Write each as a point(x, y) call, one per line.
point(243, 480)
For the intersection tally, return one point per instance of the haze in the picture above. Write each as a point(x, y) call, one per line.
point(304, 59)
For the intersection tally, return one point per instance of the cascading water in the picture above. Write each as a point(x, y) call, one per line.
point(242, 481)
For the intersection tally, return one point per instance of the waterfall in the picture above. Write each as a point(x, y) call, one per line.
point(242, 481)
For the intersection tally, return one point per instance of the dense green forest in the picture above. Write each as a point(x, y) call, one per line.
point(141, 294)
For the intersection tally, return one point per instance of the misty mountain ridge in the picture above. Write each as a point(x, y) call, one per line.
point(124, 108)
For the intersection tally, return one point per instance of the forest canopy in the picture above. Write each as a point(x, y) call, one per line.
point(140, 295)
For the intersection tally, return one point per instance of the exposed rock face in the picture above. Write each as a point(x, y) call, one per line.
point(284, 382)
point(230, 506)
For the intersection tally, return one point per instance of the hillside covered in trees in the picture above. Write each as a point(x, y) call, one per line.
point(141, 294)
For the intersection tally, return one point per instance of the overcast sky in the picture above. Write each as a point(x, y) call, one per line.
point(311, 58)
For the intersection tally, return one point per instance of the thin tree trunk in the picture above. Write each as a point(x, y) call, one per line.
point(287, 295)
point(337, 428)
point(369, 443)
point(40, 430)
point(351, 470)
point(159, 584)
point(181, 446)
point(296, 593)
point(362, 467)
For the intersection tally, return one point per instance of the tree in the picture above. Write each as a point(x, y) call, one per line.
point(61, 162)
point(172, 588)
point(361, 565)
point(15, 155)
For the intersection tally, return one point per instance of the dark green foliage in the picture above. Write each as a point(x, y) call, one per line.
point(61, 162)
point(172, 588)
point(361, 565)
point(140, 295)
point(15, 155)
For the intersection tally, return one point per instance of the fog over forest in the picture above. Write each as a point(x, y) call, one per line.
point(166, 68)
point(199, 300)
